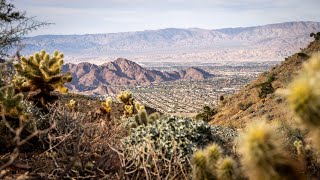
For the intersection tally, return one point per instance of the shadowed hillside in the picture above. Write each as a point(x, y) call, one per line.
point(259, 99)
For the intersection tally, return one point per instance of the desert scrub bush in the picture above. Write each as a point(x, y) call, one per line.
point(316, 36)
point(303, 55)
point(76, 148)
point(211, 163)
point(206, 114)
point(172, 138)
point(39, 75)
point(244, 107)
point(263, 153)
point(127, 99)
point(266, 87)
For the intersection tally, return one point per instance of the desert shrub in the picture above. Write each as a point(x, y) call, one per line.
point(266, 87)
point(316, 36)
point(75, 148)
point(303, 55)
point(172, 138)
point(206, 113)
point(243, 107)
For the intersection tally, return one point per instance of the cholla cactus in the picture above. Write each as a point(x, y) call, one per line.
point(39, 75)
point(10, 103)
point(213, 153)
point(227, 169)
point(210, 164)
point(138, 106)
point(199, 166)
point(106, 107)
point(107, 104)
point(263, 153)
point(303, 95)
point(126, 98)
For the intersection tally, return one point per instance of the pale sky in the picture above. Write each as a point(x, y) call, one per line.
point(111, 16)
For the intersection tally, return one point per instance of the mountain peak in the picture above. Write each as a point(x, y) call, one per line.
point(123, 61)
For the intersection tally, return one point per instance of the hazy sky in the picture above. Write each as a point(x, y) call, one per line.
point(105, 16)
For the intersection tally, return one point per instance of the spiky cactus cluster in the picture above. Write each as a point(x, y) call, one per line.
point(10, 103)
point(106, 107)
point(142, 118)
point(210, 164)
point(39, 75)
point(126, 98)
point(303, 95)
point(264, 154)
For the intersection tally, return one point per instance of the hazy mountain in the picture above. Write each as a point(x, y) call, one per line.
point(96, 79)
point(268, 42)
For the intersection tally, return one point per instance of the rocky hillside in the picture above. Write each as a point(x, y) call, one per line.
point(97, 79)
point(259, 99)
point(203, 45)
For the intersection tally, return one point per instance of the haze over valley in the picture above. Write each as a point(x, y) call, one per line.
point(259, 43)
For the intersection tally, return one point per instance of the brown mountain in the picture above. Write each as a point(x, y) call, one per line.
point(251, 103)
point(96, 79)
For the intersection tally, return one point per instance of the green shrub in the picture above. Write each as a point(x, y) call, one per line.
point(316, 36)
point(244, 107)
point(266, 87)
point(206, 113)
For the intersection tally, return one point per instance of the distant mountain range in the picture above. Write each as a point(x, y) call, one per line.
point(102, 79)
point(268, 42)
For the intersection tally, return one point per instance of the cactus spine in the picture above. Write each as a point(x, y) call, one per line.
point(39, 75)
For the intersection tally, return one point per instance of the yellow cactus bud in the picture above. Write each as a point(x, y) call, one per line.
point(55, 53)
point(46, 57)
